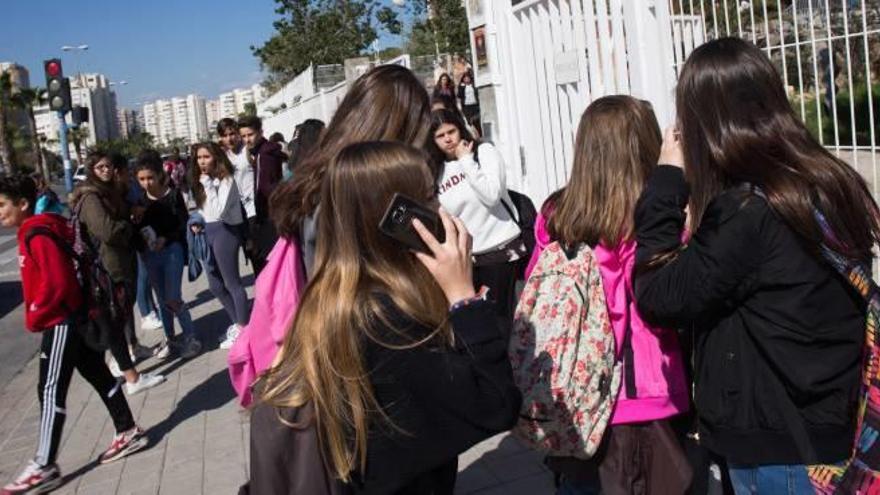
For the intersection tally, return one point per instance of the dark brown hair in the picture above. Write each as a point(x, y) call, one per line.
point(617, 145)
point(438, 118)
point(222, 167)
point(388, 103)
point(737, 126)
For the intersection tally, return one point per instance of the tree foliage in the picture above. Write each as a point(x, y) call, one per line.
point(439, 26)
point(320, 32)
point(131, 147)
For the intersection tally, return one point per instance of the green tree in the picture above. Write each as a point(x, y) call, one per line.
point(250, 110)
point(78, 135)
point(130, 147)
point(5, 149)
point(26, 99)
point(439, 26)
point(320, 32)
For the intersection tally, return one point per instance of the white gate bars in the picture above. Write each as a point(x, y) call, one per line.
point(827, 51)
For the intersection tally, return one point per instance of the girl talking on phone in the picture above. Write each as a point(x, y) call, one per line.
point(471, 185)
point(394, 364)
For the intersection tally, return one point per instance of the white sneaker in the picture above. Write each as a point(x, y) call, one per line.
point(190, 348)
point(114, 368)
point(139, 352)
point(231, 334)
point(151, 322)
point(145, 381)
point(163, 351)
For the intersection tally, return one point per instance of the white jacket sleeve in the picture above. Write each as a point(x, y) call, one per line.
point(486, 178)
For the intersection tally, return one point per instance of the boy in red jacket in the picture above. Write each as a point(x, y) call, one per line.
point(52, 298)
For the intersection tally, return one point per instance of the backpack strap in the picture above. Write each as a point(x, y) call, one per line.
point(628, 356)
point(44, 231)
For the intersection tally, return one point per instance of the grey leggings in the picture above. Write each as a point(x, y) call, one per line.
point(223, 277)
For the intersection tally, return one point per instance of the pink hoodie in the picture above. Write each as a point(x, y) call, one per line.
point(660, 382)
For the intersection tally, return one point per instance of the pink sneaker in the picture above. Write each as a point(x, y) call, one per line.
point(34, 479)
point(125, 443)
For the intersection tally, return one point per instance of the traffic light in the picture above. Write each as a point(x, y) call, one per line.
point(58, 85)
point(79, 115)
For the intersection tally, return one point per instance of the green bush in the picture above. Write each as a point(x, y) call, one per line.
point(862, 114)
point(844, 119)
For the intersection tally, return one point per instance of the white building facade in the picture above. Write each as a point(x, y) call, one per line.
point(177, 118)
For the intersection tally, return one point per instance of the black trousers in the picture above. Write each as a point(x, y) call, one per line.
point(63, 350)
point(261, 240)
point(500, 278)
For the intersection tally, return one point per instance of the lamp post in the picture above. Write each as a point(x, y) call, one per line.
point(75, 48)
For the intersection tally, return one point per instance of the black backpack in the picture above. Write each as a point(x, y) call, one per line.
point(105, 307)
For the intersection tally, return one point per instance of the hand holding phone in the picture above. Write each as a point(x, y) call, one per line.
point(450, 262)
point(397, 222)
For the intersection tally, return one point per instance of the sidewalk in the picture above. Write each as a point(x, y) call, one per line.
point(199, 437)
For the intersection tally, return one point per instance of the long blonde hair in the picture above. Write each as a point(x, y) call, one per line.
point(321, 360)
point(618, 142)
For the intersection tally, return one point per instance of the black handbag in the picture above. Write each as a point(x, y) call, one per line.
point(523, 212)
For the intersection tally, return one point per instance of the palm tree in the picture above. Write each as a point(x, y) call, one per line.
point(77, 135)
point(5, 150)
point(27, 99)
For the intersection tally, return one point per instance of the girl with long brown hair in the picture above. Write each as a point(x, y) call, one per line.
point(779, 334)
point(216, 195)
point(388, 103)
point(393, 361)
point(616, 148)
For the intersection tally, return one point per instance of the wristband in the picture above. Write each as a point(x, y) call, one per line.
point(481, 296)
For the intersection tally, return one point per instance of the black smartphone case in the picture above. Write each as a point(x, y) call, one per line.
point(397, 222)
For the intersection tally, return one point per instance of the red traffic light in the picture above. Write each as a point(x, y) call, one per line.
point(53, 69)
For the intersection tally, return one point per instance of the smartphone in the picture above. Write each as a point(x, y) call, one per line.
point(397, 222)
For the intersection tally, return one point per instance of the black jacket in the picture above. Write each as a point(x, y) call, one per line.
point(441, 401)
point(268, 159)
point(779, 333)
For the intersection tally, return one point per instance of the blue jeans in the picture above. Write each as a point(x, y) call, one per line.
point(144, 292)
point(781, 479)
point(166, 274)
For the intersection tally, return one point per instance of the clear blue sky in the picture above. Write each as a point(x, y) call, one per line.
point(162, 48)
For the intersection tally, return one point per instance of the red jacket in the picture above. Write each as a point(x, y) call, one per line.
point(51, 290)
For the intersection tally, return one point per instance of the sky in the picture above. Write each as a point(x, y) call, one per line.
point(161, 48)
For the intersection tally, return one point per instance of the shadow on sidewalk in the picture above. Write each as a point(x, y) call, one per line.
point(205, 295)
point(209, 330)
point(10, 297)
point(212, 394)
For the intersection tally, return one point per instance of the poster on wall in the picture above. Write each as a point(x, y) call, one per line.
point(475, 12)
point(481, 54)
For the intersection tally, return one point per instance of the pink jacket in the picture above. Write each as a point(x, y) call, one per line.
point(660, 382)
point(276, 296)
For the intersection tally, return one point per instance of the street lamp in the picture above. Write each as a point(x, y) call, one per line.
point(76, 48)
point(118, 83)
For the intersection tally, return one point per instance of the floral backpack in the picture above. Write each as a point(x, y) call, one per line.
point(562, 350)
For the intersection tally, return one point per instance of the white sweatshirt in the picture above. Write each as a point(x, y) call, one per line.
point(473, 192)
point(244, 179)
point(222, 201)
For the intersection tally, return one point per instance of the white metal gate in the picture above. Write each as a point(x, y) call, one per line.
point(566, 53)
point(828, 53)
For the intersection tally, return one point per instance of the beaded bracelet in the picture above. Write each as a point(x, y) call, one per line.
point(481, 296)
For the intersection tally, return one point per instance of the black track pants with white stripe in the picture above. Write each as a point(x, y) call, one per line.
point(62, 351)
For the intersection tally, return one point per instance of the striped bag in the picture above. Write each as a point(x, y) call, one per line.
point(860, 474)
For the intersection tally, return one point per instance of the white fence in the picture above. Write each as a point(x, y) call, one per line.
point(318, 106)
point(827, 51)
point(566, 53)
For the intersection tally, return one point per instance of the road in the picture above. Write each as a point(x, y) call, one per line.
point(17, 346)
